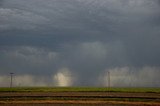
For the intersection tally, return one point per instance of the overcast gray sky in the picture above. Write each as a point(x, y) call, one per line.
point(76, 42)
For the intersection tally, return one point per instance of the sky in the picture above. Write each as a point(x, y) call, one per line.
point(77, 42)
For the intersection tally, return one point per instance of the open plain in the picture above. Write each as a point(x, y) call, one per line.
point(79, 97)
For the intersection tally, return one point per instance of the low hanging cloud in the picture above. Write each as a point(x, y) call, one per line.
point(23, 81)
point(30, 80)
point(128, 77)
point(119, 77)
point(63, 78)
point(4, 81)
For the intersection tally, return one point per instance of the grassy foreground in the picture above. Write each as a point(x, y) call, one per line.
point(79, 89)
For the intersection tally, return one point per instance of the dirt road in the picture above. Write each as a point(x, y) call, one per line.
point(84, 98)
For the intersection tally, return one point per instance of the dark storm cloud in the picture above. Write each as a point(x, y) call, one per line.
point(74, 42)
point(1, 2)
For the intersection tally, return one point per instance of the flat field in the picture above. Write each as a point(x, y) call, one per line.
point(81, 96)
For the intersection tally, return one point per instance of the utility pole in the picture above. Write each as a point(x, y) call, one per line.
point(11, 83)
point(108, 79)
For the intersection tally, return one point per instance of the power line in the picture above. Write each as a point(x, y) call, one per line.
point(11, 83)
point(108, 73)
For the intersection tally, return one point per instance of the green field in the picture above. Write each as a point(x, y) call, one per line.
point(78, 89)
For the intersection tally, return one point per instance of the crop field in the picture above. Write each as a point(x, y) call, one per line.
point(79, 96)
point(78, 89)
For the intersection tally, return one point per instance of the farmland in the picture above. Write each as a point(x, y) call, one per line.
point(79, 95)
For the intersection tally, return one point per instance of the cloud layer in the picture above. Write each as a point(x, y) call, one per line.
point(74, 42)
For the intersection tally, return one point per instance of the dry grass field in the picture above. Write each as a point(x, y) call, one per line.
point(79, 96)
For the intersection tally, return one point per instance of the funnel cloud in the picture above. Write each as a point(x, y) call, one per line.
point(76, 42)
